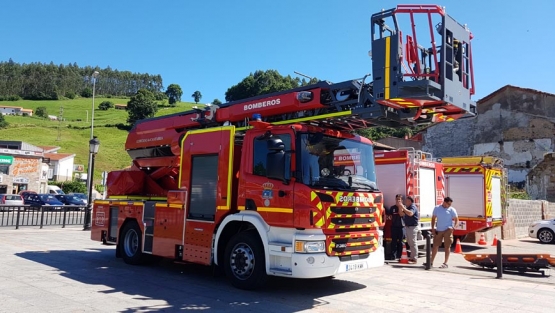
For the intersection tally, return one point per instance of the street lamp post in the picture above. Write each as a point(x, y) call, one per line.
point(94, 76)
point(94, 144)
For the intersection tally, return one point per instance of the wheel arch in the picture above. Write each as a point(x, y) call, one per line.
point(120, 230)
point(236, 223)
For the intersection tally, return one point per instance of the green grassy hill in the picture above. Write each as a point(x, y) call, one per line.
point(77, 113)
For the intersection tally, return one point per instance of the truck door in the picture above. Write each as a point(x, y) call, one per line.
point(206, 172)
point(260, 190)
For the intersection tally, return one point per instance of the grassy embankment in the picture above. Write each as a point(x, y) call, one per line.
point(41, 132)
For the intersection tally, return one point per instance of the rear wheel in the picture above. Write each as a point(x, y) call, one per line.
point(131, 244)
point(546, 235)
point(245, 265)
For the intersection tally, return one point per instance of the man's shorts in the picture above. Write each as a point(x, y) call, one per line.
point(445, 236)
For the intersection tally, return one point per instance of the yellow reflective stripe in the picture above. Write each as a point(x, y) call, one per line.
point(268, 209)
point(387, 65)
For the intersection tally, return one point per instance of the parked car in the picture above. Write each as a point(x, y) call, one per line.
point(71, 200)
point(22, 193)
point(543, 230)
point(80, 196)
point(7, 200)
point(37, 200)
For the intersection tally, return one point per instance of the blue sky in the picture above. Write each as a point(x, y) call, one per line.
point(211, 45)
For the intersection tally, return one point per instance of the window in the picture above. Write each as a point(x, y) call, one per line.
point(204, 187)
point(5, 169)
point(261, 152)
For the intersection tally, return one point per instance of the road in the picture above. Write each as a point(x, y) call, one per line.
point(62, 270)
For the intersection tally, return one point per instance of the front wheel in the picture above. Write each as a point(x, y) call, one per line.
point(545, 235)
point(131, 244)
point(245, 264)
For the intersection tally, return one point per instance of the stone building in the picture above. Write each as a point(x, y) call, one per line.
point(541, 179)
point(27, 167)
point(21, 167)
point(513, 123)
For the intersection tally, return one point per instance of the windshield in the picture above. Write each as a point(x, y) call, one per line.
point(336, 163)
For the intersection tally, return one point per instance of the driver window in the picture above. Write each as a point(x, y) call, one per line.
point(260, 148)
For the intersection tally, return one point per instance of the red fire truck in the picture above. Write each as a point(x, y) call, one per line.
point(278, 184)
point(413, 173)
point(478, 185)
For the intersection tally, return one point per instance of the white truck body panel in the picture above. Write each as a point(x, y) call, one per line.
point(496, 205)
point(427, 187)
point(467, 192)
point(391, 179)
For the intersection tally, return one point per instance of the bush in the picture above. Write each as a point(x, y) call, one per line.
point(86, 93)
point(41, 112)
point(70, 95)
point(70, 186)
point(105, 105)
point(3, 123)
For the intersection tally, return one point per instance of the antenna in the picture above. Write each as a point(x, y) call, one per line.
point(301, 74)
point(60, 118)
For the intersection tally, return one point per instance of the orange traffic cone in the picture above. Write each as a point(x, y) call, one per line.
point(404, 257)
point(458, 248)
point(482, 240)
point(494, 244)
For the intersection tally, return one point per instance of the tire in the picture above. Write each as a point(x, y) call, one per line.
point(131, 244)
point(244, 261)
point(546, 235)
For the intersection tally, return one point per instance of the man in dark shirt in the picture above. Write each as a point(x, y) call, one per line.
point(409, 213)
point(397, 227)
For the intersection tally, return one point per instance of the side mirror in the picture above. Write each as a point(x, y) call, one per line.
point(275, 144)
point(275, 163)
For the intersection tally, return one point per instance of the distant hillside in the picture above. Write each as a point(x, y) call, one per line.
point(77, 114)
point(40, 81)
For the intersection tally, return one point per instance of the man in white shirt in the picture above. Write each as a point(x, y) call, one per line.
point(444, 215)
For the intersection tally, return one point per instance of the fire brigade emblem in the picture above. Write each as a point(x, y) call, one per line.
point(267, 193)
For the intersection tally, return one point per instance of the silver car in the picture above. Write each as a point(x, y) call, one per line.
point(8, 201)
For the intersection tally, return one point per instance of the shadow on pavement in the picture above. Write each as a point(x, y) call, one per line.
point(185, 287)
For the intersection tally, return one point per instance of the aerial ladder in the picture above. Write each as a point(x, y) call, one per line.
point(412, 85)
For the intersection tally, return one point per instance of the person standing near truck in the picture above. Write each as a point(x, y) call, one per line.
point(397, 228)
point(444, 214)
point(409, 213)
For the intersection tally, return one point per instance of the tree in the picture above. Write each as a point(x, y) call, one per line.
point(3, 122)
point(86, 92)
point(141, 106)
point(263, 82)
point(41, 112)
point(216, 102)
point(105, 105)
point(196, 96)
point(174, 93)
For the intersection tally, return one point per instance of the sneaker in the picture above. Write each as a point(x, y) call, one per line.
point(412, 261)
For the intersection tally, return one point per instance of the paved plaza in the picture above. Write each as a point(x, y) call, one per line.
point(62, 270)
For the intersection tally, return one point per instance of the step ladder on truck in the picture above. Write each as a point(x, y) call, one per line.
point(479, 188)
point(278, 184)
point(414, 173)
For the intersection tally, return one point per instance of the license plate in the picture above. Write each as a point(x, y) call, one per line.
point(354, 267)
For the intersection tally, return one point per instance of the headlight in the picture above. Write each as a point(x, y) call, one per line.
point(534, 225)
point(310, 246)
